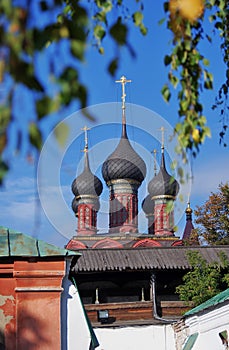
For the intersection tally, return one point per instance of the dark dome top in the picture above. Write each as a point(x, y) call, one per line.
point(148, 205)
point(124, 162)
point(87, 183)
point(163, 183)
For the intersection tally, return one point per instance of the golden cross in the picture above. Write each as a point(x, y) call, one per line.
point(123, 81)
point(85, 129)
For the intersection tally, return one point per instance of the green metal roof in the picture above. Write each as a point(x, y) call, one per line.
point(217, 299)
point(14, 243)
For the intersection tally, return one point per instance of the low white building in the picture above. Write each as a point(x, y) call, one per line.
point(206, 326)
point(203, 327)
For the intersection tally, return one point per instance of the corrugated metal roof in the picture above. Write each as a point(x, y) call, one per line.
point(95, 260)
point(14, 243)
point(217, 299)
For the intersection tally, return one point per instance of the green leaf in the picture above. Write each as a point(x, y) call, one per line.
point(169, 206)
point(113, 66)
point(207, 131)
point(180, 172)
point(119, 32)
point(137, 18)
point(3, 170)
point(77, 49)
point(174, 80)
point(47, 105)
point(166, 93)
point(167, 60)
point(35, 136)
point(99, 32)
point(184, 104)
point(208, 85)
point(206, 62)
point(143, 29)
point(161, 21)
point(61, 133)
point(101, 50)
point(106, 5)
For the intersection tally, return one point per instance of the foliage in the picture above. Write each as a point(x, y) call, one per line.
point(204, 280)
point(189, 68)
point(213, 217)
point(73, 25)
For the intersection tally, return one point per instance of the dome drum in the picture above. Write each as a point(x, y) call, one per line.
point(123, 186)
point(87, 200)
point(163, 198)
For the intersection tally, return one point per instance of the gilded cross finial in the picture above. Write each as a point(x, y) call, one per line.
point(85, 129)
point(123, 81)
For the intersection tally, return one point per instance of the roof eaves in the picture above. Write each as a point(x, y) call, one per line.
point(17, 244)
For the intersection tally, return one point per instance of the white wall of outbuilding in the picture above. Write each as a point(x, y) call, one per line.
point(153, 337)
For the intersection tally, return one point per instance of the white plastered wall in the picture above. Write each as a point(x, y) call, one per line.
point(152, 337)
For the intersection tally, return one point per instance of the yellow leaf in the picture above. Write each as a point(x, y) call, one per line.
point(64, 33)
point(196, 135)
point(188, 9)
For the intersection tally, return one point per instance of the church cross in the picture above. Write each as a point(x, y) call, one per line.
point(123, 81)
point(85, 129)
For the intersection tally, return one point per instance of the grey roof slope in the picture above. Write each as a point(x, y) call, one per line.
point(96, 260)
point(17, 244)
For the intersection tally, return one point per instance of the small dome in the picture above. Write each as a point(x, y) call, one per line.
point(163, 184)
point(87, 183)
point(124, 162)
point(148, 205)
point(188, 210)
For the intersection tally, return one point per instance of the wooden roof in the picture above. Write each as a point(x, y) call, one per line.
point(162, 258)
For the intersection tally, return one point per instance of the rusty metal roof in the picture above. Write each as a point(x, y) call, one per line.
point(100, 260)
point(14, 244)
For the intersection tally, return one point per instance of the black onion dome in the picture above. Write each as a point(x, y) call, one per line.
point(163, 184)
point(124, 162)
point(148, 205)
point(87, 183)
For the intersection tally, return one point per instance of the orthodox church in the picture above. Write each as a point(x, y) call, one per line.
point(126, 277)
point(123, 172)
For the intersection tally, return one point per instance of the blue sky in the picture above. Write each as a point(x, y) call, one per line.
point(19, 201)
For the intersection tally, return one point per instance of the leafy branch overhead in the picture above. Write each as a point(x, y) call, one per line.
point(188, 68)
point(42, 30)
